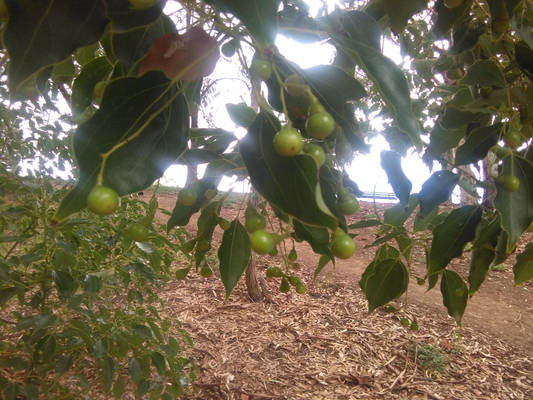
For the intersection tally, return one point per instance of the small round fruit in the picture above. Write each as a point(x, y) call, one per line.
point(262, 68)
point(284, 286)
point(203, 245)
point(102, 200)
point(187, 196)
point(295, 85)
point(288, 142)
point(181, 273)
point(142, 4)
point(513, 139)
point(404, 322)
point(188, 246)
point(262, 242)
point(137, 232)
point(224, 224)
point(414, 325)
point(292, 255)
point(343, 247)
point(274, 272)
point(320, 125)
point(205, 271)
point(348, 205)
point(317, 152)
point(510, 183)
point(315, 108)
point(300, 289)
point(98, 91)
point(254, 223)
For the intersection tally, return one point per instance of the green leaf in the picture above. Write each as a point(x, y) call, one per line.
point(392, 164)
point(478, 144)
point(389, 80)
point(30, 391)
point(484, 73)
point(241, 114)
point(6, 294)
point(63, 364)
point(447, 18)
point(11, 391)
point(142, 331)
point(130, 46)
point(451, 236)
point(436, 190)
point(83, 87)
point(108, 372)
point(39, 321)
point(454, 294)
point(290, 183)
point(523, 269)
point(400, 11)
point(65, 283)
point(233, 255)
point(146, 121)
point(32, 25)
point(388, 280)
point(523, 25)
point(399, 213)
point(385, 252)
point(483, 252)
point(516, 208)
point(135, 370)
point(259, 17)
point(119, 387)
point(317, 237)
point(159, 362)
point(442, 139)
point(124, 17)
point(92, 284)
point(322, 262)
point(207, 223)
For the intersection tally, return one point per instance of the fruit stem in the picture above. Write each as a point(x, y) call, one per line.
point(282, 95)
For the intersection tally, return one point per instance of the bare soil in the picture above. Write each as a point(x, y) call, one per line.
point(324, 345)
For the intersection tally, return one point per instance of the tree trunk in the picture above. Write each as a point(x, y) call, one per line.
point(252, 283)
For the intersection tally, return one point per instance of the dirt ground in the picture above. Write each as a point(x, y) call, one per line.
point(324, 345)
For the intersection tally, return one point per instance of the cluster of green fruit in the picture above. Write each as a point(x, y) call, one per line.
point(286, 280)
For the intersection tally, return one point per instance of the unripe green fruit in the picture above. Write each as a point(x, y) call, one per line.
point(181, 273)
point(513, 139)
point(274, 272)
point(203, 245)
point(343, 247)
point(137, 232)
point(288, 142)
point(295, 85)
point(261, 242)
point(102, 200)
point(317, 152)
point(261, 68)
point(188, 246)
point(510, 183)
point(300, 289)
point(315, 108)
point(187, 196)
point(254, 223)
point(224, 224)
point(292, 255)
point(320, 125)
point(284, 286)
point(205, 271)
point(348, 205)
point(404, 322)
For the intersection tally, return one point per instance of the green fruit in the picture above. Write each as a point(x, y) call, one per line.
point(294, 280)
point(224, 224)
point(261, 68)
point(274, 272)
point(343, 246)
point(188, 246)
point(262, 242)
point(102, 200)
point(320, 125)
point(348, 205)
point(292, 255)
point(315, 108)
point(296, 86)
point(414, 325)
point(254, 223)
point(288, 142)
point(205, 271)
point(300, 289)
point(137, 232)
point(241, 114)
point(317, 152)
point(203, 245)
point(181, 273)
point(98, 91)
point(513, 139)
point(284, 286)
point(187, 196)
point(229, 48)
point(510, 183)
point(404, 322)
point(141, 4)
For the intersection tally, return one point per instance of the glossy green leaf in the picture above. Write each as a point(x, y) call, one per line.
point(484, 73)
point(233, 255)
point(32, 25)
point(6, 294)
point(130, 46)
point(119, 387)
point(357, 25)
point(391, 162)
point(451, 236)
point(108, 371)
point(65, 283)
point(399, 213)
point(290, 183)
point(159, 362)
point(389, 80)
point(135, 370)
point(385, 252)
point(39, 321)
point(241, 114)
point(317, 237)
point(436, 190)
point(388, 280)
point(483, 252)
point(400, 11)
point(142, 331)
point(516, 208)
point(322, 262)
point(523, 268)
point(207, 223)
point(259, 16)
point(83, 87)
point(454, 294)
point(478, 144)
point(149, 117)
point(124, 17)
point(524, 25)
point(442, 139)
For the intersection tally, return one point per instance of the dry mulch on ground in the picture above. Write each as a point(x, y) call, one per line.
point(324, 345)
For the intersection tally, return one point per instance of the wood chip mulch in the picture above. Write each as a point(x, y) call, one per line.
point(324, 345)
